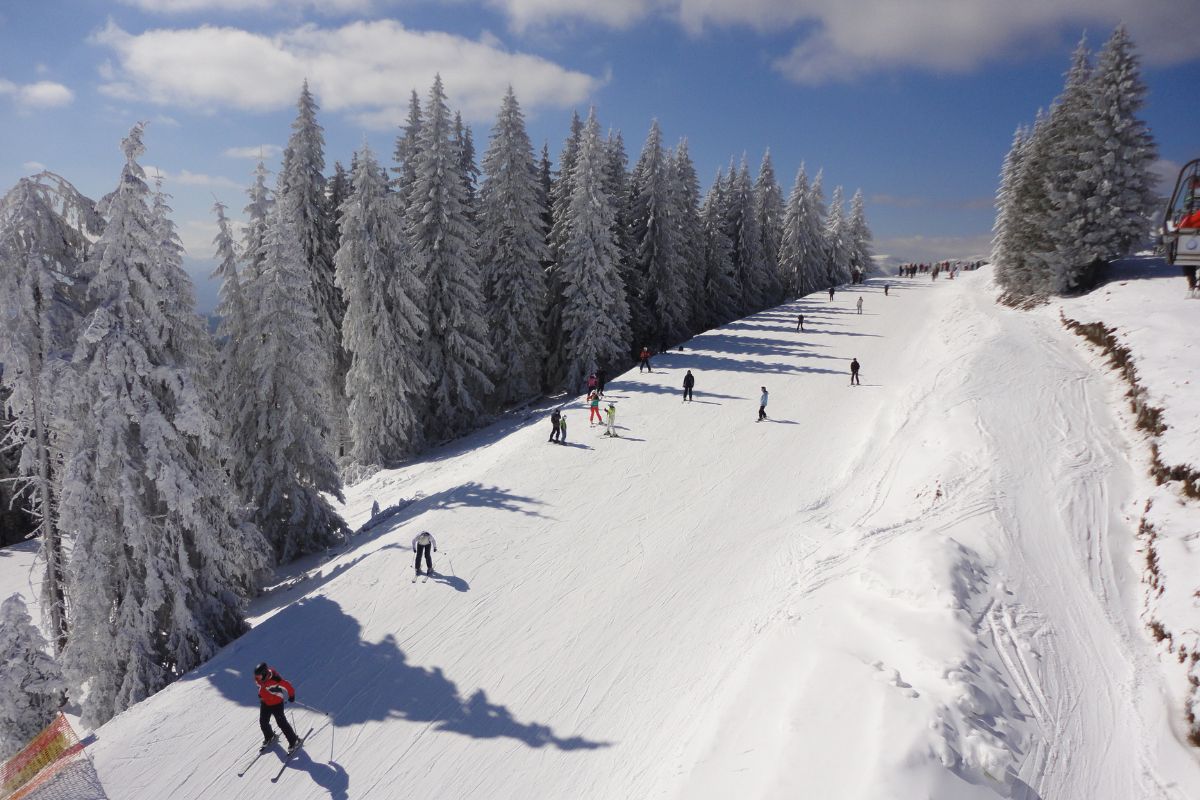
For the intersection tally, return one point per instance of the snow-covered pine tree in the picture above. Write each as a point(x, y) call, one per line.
point(742, 223)
point(291, 466)
point(162, 562)
point(1032, 248)
point(768, 208)
point(1125, 150)
point(545, 186)
point(619, 185)
point(464, 145)
point(652, 229)
point(722, 299)
point(31, 682)
point(456, 355)
point(384, 324)
point(595, 315)
point(302, 183)
point(1004, 256)
point(1072, 179)
point(816, 266)
point(859, 234)
point(837, 246)
point(45, 229)
point(689, 234)
point(339, 189)
point(801, 252)
point(560, 201)
point(405, 154)
point(512, 251)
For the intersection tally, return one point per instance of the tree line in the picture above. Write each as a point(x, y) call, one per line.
point(363, 318)
point(1076, 189)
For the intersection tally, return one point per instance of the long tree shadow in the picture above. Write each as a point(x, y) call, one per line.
point(357, 681)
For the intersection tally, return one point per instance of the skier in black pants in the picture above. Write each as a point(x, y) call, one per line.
point(555, 416)
point(689, 381)
point(273, 692)
point(601, 379)
point(421, 544)
point(854, 372)
point(831, 294)
point(800, 322)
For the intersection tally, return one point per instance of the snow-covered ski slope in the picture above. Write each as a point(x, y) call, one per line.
point(921, 587)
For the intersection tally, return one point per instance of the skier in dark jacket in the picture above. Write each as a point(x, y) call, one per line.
point(601, 379)
point(689, 381)
point(831, 293)
point(555, 417)
point(854, 365)
point(799, 322)
point(273, 692)
point(420, 545)
point(644, 360)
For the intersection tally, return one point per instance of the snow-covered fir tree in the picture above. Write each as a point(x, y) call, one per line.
point(162, 562)
point(405, 154)
point(742, 224)
point(1033, 250)
point(802, 250)
point(689, 234)
point(1004, 257)
point(338, 189)
point(456, 354)
point(291, 466)
point(595, 316)
point(302, 183)
point(31, 682)
point(620, 185)
point(652, 230)
point(1125, 150)
point(768, 208)
point(384, 324)
point(464, 145)
point(545, 187)
point(512, 252)
point(722, 298)
point(859, 234)
point(560, 201)
point(45, 230)
point(837, 245)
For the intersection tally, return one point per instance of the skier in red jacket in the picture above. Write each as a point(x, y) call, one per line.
point(273, 692)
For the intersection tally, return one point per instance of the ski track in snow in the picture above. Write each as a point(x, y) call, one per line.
point(920, 587)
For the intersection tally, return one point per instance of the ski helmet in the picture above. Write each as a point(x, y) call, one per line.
point(261, 670)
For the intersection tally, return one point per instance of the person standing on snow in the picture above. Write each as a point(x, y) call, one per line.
point(555, 421)
point(592, 382)
point(562, 429)
point(831, 292)
point(859, 304)
point(601, 379)
point(854, 365)
point(420, 545)
point(644, 359)
point(689, 381)
point(885, 289)
point(273, 692)
point(594, 405)
point(611, 413)
point(799, 322)
point(762, 405)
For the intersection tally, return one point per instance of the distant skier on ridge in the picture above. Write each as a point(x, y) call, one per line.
point(273, 692)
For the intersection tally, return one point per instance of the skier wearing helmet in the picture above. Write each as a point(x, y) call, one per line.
point(273, 692)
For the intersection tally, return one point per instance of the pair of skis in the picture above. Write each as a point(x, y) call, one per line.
point(268, 748)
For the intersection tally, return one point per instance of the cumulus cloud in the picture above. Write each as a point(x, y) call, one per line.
point(902, 249)
point(41, 94)
point(838, 40)
point(365, 69)
point(188, 6)
point(197, 236)
point(261, 151)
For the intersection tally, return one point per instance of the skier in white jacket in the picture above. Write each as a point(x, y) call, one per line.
point(420, 545)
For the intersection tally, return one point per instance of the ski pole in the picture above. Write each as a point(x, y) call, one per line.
point(310, 708)
point(451, 563)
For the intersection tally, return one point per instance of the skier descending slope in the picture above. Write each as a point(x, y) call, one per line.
point(273, 692)
point(420, 545)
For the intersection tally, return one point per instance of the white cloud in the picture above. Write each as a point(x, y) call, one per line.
point(365, 69)
point(1165, 172)
point(839, 40)
point(42, 94)
point(261, 151)
point(904, 249)
point(188, 6)
point(33, 166)
point(188, 178)
point(197, 236)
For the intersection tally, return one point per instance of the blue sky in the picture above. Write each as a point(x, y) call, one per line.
point(914, 101)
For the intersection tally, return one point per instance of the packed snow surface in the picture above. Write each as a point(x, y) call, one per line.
point(923, 586)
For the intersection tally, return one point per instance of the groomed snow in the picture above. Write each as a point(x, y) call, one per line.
point(926, 586)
